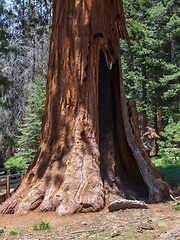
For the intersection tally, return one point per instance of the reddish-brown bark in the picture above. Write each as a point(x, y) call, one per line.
point(89, 152)
point(152, 135)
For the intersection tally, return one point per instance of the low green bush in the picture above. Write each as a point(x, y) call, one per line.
point(177, 207)
point(169, 144)
point(13, 232)
point(19, 162)
point(41, 226)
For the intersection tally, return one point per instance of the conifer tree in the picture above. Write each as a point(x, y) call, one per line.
point(169, 144)
point(151, 72)
point(29, 130)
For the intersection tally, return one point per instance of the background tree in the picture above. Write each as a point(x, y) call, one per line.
point(151, 72)
point(169, 145)
point(5, 21)
point(89, 152)
point(23, 58)
point(29, 130)
point(17, 67)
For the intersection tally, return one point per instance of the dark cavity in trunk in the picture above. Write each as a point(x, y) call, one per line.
point(120, 175)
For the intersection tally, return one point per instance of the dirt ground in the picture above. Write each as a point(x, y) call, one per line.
point(138, 224)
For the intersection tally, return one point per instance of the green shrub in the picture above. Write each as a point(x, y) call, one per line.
point(44, 226)
point(35, 227)
point(28, 139)
point(19, 162)
point(13, 233)
point(177, 207)
point(41, 226)
point(169, 145)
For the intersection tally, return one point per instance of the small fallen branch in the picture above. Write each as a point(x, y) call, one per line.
point(175, 199)
point(92, 231)
point(80, 231)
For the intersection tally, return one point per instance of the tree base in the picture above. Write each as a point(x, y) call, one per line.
point(90, 151)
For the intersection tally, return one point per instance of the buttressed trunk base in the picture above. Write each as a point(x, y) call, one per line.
point(90, 151)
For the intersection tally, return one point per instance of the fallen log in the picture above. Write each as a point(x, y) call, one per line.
point(125, 203)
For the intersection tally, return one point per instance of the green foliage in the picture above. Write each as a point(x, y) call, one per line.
point(20, 162)
point(44, 226)
point(151, 70)
point(32, 15)
point(13, 232)
point(177, 207)
point(29, 132)
point(169, 145)
point(35, 227)
point(41, 226)
point(5, 21)
point(170, 171)
point(168, 159)
point(24, 46)
point(93, 231)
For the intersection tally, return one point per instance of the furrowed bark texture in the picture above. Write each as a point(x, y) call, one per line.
point(89, 153)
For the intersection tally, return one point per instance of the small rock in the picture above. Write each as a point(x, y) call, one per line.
point(115, 233)
point(149, 221)
point(146, 226)
point(84, 223)
point(1, 230)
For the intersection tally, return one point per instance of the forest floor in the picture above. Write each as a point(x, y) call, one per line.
point(151, 223)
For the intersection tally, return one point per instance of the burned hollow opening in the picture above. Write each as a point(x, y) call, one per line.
point(119, 170)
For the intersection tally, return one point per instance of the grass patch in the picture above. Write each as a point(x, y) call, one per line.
point(171, 171)
point(92, 231)
point(35, 227)
point(41, 226)
point(13, 232)
point(2, 230)
point(44, 226)
point(177, 207)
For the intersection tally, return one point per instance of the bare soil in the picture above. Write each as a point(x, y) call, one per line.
point(139, 224)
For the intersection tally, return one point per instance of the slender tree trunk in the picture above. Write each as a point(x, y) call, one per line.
point(144, 98)
point(90, 152)
point(159, 110)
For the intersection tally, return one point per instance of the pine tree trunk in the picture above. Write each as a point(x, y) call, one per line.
point(144, 98)
point(90, 152)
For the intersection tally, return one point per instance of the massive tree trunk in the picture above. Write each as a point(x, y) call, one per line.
point(90, 152)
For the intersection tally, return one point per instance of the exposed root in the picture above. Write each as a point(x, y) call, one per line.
point(67, 208)
point(8, 206)
point(46, 206)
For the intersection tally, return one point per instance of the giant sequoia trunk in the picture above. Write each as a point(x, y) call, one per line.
point(90, 152)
